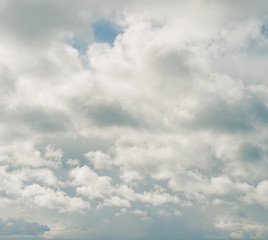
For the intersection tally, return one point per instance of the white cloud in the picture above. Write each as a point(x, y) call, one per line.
point(155, 198)
point(48, 198)
point(170, 118)
point(99, 160)
point(72, 162)
point(240, 228)
point(258, 195)
point(22, 190)
point(139, 212)
point(25, 154)
point(117, 202)
point(89, 183)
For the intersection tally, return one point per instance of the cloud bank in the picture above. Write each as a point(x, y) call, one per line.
point(133, 119)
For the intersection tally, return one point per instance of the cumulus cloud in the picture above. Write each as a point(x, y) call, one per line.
point(25, 154)
point(241, 228)
point(99, 160)
point(89, 183)
point(157, 108)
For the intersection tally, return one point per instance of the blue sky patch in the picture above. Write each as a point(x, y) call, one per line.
point(80, 45)
point(105, 31)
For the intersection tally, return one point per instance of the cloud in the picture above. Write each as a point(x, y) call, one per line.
point(155, 108)
point(48, 198)
point(116, 201)
point(9, 227)
point(36, 20)
point(258, 195)
point(25, 154)
point(35, 188)
point(111, 114)
point(139, 212)
point(99, 160)
point(89, 183)
point(155, 198)
point(41, 120)
point(240, 228)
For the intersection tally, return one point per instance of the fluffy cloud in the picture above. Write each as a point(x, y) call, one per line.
point(164, 118)
point(89, 183)
point(24, 154)
point(240, 228)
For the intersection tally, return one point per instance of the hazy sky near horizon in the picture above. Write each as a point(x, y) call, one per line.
point(125, 119)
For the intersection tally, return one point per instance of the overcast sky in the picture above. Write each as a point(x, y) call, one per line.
point(133, 119)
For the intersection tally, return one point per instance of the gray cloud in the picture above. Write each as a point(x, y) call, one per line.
point(221, 116)
point(111, 114)
point(38, 120)
point(173, 64)
point(43, 120)
point(240, 116)
point(162, 132)
point(105, 113)
point(37, 20)
point(250, 152)
point(7, 81)
point(20, 227)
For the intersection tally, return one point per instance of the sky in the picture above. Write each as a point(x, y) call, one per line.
point(133, 119)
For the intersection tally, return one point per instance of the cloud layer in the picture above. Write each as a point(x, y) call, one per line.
point(133, 119)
